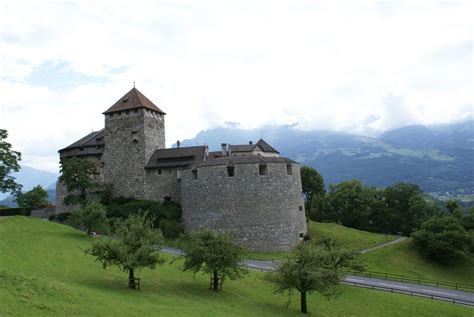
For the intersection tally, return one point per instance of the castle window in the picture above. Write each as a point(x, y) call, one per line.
point(167, 198)
point(301, 208)
point(289, 170)
point(178, 174)
point(230, 171)
point(159, 171)
point(263, 169)
point(195, 174)
point(135, 136)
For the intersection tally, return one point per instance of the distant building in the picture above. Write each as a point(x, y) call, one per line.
point(245, 189)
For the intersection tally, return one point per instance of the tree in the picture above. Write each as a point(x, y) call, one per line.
point(77, 174)
point(33, 199)
point(407, 206)
point(92, 216)
point(213, 253)
point(468, 220)
point(313, 266)
point(312, 182)
point(8, 163)
point(454, 209)
point(135, 245)
point(442, 238)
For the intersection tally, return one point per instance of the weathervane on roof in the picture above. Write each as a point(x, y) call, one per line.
point(133, 84)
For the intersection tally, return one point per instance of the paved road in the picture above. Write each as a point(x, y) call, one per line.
point(368, 282)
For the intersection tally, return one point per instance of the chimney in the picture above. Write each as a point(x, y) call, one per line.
point(228, 150)
point(178, 144)
point(250, 142)
point(224, 149)
point(206, 151)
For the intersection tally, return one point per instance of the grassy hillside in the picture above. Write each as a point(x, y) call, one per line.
point(43, 271)
point(351, 238)
point(403, 259)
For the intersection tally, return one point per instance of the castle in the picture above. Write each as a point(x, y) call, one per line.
point(245, 189)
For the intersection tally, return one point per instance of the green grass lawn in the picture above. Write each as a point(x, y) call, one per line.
point(44, 272)
point(404, 259)
point(351, 238)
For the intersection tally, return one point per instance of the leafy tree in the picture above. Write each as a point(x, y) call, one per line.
point(312, 182)
point(468, 220)
point(92, 216)
point(454, 209)
point(442, 238)
point(135, 245)
point(314, 266)
point(213, 253)
point(78, 175)
point(8, 163)
point(407, 206)
point(33, 199)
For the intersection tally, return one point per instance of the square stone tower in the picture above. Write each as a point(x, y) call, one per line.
point(134, 128)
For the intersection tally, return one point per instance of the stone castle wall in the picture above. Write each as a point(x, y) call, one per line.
point(131, 137)
point(161, 183)
point(266, 213)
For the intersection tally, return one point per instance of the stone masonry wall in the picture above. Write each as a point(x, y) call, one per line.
point(160, 185)
point(266, 213)
point(130, 139)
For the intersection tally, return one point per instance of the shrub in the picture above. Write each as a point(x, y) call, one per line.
point(171, 229)
point(442, 238)
point(63, 216)
point(52, 217)
point(14, 212)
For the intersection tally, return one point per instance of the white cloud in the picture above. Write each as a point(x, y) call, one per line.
point(327, 65)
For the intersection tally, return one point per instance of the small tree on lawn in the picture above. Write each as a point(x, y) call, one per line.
point(33, 199)
point(77, 174)
point(214, 253)
point(135, 245)
point(9, 163)
point(313, 266)
point(92, 216)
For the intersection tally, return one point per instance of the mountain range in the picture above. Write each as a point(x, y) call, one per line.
point(439, 158)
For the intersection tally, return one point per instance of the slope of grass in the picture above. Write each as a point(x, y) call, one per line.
point(404, 259)
point(351, 238)
point(44, 272)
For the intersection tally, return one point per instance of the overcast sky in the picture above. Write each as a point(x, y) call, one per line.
point(360, 67)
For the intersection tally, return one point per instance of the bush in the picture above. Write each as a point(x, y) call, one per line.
point(443, 239)
point(14, 212)
point(63, 216)
point(52, 217)
point(168, 211)
point(171, 229)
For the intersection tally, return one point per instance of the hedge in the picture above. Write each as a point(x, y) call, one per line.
point(14, 212)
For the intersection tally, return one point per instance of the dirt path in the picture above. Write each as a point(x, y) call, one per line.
point(383, 245)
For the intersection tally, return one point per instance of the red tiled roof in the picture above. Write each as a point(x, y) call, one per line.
point(134, 99)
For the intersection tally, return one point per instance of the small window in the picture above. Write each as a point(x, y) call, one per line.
point(195, 174)
point(167, 198)
point(263, 169)
point(289, 170)
point(178, 174)
point(230, 171)
point(159, 171)
point(135, 136)
point(301, 208)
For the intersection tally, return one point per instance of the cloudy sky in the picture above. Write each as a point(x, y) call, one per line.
point(360, 67)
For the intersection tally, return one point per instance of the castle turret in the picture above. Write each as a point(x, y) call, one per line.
point(134, 128)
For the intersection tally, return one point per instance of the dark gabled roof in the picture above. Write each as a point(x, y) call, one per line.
point(242, 148)
point(93, 139)
point(133, 99)
point(266, 147)
point(213, 160)
point(177, 157)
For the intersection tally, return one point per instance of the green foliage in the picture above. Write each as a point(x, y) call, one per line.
point(443, 239)
point(135, 245)
point(9, 162)
point(168, 213)
point(92, 216)
point(14, 212)
point(78, 175)
point(51, 217)
point(312, 182)
point(317, 265)
point(63, 216)
point(213, 253)
point(454, 208)
point(468, 220)
point(33, 199)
